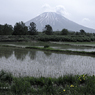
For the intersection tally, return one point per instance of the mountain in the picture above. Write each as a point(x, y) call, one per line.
point(57, 21)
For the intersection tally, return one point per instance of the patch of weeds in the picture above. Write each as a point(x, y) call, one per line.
point(82, 78)
point(6, 76)
point(66, 85)
point(46, 46)
point(66, 80)
point(20, 86)
point(90, 85)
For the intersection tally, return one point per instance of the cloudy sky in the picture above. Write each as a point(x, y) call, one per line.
point(79, 11)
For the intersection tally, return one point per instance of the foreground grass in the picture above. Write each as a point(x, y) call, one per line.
point(66, 85)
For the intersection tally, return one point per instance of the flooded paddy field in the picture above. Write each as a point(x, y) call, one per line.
point(73, 46)
point(28, 62)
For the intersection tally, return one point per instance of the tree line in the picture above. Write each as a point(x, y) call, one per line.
point(21, 29)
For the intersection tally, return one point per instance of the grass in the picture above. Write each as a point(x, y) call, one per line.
point(80, 44)
point(51, 43)
point(66, 85)
point(89, 43)
point(48, 48)
point(64, 51)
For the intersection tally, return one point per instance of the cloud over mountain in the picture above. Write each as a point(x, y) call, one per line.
point(60, 9)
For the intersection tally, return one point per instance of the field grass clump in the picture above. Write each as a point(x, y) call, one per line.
point(64, 85)
point(6, 76)
point(20, 86)
point(46, 46)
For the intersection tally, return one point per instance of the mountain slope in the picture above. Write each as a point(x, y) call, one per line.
point(58, 22)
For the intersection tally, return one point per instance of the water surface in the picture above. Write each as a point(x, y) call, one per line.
point(72, 47)
point(23, 62)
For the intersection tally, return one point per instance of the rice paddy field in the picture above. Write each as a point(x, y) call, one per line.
point(41, 72)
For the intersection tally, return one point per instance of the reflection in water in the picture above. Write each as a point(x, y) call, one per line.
point(20, 53)
point(75, 48)
point(37, 63)
point(5, 52)
point(32, 54)
point(47, 53)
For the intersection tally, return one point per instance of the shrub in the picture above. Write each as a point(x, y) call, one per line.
point(46, 46)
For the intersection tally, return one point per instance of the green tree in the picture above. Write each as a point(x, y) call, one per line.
point(20, 29)
point(1, 29)
point(64, 32)
point(77, 33)
point(82, 32)
point(6, 29)
point(32, 29)
point(48, 30)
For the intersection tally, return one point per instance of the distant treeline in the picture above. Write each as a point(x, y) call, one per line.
point(47, 34)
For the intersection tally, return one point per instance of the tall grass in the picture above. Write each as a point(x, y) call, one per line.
point(66, 85)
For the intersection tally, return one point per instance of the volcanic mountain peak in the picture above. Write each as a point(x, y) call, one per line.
point(57, 21)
